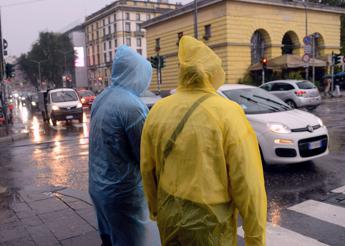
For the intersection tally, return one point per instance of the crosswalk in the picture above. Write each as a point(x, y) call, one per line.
point(310, 223)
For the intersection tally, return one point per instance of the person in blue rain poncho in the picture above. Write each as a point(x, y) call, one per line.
point(117, 118)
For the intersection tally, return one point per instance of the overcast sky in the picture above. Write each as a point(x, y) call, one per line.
point(22, 23)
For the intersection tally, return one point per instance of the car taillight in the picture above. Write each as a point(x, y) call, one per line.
point(300, 93)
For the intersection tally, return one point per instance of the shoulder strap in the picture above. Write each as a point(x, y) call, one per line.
point(171, 142)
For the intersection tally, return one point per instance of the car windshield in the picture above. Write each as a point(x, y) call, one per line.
point(256, 100)
point(147, 93)
point(305, 85)
point(86, 93)
point(64, 96)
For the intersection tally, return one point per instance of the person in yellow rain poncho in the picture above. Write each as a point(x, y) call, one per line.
point(200, 161)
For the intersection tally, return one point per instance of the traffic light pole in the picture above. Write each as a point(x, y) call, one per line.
point(159, 74)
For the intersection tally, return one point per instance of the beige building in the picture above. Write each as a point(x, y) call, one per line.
point(117, 24)
point(242, 32)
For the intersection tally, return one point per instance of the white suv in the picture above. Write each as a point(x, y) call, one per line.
point(296, 93)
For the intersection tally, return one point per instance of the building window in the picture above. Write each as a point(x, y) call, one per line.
point(127, 27)
point(115, 28)
point(179, 36)
point(105, 45)
point(114, 17)
point(110, 44)
point(137, 16)
point(158, 43)
point(138, 27)
point(97, 34)
point(105, 57)
point(98, 59)
point(97, 48)
point(109, 20)
point(109, 29)
point(139, 42)
point(140, 51)
point(103, 22)
point(110, 55)
point(104, 31)
point(127, 16)
point(207, 32)
point(115, 43)
point(148, 16)
point(128, 41)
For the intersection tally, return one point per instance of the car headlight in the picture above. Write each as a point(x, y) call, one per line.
point(83, 100)
point(320, 122)
point(55, 108)
point(79, 105)
point(278, 128)
point(33, 103)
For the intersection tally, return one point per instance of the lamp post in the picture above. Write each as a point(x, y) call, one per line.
point(196, 19)
point(39, 69)
point(305, 3)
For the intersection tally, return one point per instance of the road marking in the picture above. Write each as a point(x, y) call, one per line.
point(339, 190)
point(276, 235)
point(322, 211)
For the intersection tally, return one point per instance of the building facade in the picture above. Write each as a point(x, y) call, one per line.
point(79, 75)
point(242, 32)
point(117, 24)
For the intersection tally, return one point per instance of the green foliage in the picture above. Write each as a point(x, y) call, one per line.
point(294, 75)
point(248, 80)
point(51, 49)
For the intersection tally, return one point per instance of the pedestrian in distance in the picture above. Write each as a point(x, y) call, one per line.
point(327, 86)
point(117, 118)
point(200, 160)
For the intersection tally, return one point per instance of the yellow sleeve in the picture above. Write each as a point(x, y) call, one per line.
point(148, 171)
point(247, 188)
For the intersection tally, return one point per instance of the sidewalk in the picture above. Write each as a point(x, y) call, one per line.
point(64, 217)
point(16, 131)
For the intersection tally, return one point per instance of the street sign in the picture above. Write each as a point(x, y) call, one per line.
point(307, 40)
point(306, 58)
point(307, 49)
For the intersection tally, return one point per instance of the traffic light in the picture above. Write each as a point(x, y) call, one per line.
point(154, 61)
point(264, 62)
point(336, 58)
point(9, 70)
point(162, 61)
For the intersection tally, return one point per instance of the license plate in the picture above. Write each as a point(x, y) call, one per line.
point(315, 145)
point(68, 117)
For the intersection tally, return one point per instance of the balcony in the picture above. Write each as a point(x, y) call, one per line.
point(107, 37)
point(139, 33)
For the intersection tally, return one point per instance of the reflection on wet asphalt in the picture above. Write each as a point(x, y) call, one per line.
point(56, 157)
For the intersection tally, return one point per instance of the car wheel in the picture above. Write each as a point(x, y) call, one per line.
point(264, 164)
point(311, 108)
point(53, 121)
point(291, 103)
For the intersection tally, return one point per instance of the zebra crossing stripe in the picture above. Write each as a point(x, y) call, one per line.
point(339, 190)
point(279, 236)
point(322, 211)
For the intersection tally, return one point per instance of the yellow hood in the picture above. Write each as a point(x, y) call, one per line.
point(200, 67)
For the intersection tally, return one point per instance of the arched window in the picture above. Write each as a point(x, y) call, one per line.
point(290, 43)
point(260, 41)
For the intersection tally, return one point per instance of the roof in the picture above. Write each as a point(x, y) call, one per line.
point(121, 4)
point(235, 87)
point(188, 8)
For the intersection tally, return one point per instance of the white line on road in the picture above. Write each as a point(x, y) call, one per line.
point(322, 211)
point(339, 190)
point(279, 236)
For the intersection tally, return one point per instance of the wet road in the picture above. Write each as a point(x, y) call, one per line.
point(56, 157)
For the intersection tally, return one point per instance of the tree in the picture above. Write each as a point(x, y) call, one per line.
point(56, 55)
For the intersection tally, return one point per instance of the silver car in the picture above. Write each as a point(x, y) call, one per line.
point(296, 93)
point(149, 98)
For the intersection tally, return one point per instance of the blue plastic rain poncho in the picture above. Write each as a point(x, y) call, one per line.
point(117, 118)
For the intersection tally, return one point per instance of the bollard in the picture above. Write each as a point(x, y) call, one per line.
point(336, 92)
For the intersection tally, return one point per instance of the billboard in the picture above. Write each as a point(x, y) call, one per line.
point(80, 57)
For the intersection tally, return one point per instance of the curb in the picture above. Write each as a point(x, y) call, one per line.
point(14, 137)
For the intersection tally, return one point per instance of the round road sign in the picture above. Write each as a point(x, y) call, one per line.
point(306, 58)
point(307, 40)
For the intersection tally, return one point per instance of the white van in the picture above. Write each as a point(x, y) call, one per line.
point(63, 104)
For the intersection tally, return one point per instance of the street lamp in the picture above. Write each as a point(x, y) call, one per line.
point(196, 19)
point(305, 3)
point(39, 69)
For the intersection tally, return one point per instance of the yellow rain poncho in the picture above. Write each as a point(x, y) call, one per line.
point(198, 172)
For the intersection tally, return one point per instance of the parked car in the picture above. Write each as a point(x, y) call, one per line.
point(32, 102)
point(296, 93)
point(149, 98)
point(285, 135)
point(61, 104)
point(86, 97)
